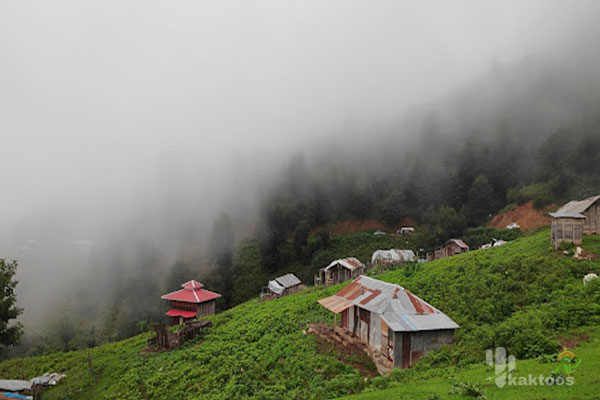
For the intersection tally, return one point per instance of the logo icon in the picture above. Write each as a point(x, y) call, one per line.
point(568, 363)
point(502, 365)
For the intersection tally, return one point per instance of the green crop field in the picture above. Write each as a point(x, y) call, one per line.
point(524, 296)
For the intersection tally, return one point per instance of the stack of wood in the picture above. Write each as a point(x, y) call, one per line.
point(167, 340)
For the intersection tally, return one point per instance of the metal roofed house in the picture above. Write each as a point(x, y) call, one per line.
point(282, 286)
point(390, 320)
point(406, 230)
point(393, 256)
point(190, 302)
point(574, 216)
point(339, 271)
point(452, 247)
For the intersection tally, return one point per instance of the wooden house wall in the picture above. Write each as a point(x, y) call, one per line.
point(591, 225)
point(206, 308)
point(566, 229)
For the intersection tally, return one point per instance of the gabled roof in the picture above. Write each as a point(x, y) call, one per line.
point(402, 310)
point(575, 207)
point(192, 293)
point(350, 263)
point(278, 285)
point(288, 280)
point(458, 242)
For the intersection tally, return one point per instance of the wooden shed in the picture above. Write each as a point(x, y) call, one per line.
point(454, 246)
point(390, 320)
point(589, 208)
point(567, 227)
point(339, 271)
point(282, 286)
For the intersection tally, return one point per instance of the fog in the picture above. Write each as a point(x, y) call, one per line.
point(128, 124)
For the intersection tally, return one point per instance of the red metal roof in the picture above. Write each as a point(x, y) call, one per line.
point(181, 313)
point(193, 293)
point(192, 285)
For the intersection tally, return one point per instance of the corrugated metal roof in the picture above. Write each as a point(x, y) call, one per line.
point(459, 242)
point(391, 301)
point(577, 206)
point(350, 263)
point(567, 215)
point(424, 322)
point(335, 304)
point(191, 294)
point(288, 280)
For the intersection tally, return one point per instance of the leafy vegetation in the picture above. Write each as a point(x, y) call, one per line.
point(10, 331)
point(439, 384)
point(522, 295)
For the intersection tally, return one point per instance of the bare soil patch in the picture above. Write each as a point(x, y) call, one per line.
point(526, 215)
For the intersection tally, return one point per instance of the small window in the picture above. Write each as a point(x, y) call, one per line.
point(568, 231)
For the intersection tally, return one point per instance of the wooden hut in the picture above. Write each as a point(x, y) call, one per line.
point(589, 208)
point(190, 302)
point(567, 227)
point(452, 247)
point(390, 320)
point(282, 286)
point(339, 271)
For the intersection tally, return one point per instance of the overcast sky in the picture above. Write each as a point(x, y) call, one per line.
point(127, 116)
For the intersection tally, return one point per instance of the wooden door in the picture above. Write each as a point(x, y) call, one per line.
point(405, 350)
point(345, 319)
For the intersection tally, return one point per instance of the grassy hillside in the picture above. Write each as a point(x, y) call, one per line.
point(442, 384)
point(521, 295)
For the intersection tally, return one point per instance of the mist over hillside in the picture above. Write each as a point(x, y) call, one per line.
point(129, 128)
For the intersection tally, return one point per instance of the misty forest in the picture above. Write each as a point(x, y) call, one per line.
point(148, 144)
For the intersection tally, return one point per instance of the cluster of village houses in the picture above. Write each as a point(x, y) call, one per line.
point(387, 318)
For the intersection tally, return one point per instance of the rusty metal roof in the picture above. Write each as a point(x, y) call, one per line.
point(459, 242)
point(350, 263)
point(335, 304)
point(392, 302)
point(575, 208)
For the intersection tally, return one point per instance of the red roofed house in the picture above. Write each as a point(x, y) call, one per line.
point(190, 302)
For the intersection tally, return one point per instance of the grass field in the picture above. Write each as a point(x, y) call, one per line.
point(427, 385)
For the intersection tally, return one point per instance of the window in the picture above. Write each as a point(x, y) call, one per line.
point(568, 231)
point(577, 232)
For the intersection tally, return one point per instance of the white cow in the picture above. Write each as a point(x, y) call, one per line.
point(588, 278)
